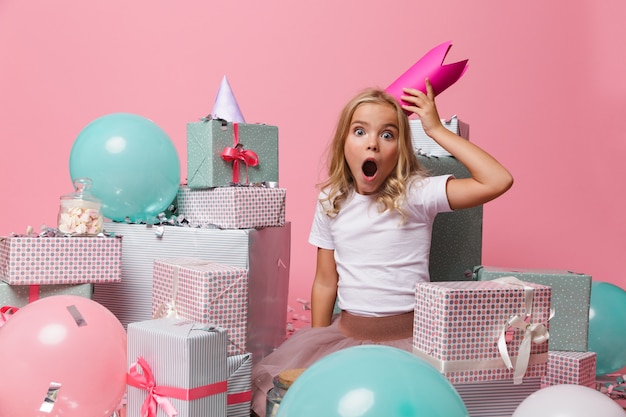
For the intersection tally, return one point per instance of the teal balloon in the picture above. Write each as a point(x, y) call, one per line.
point(133, 164)
point(607, 327)
point(371, 381)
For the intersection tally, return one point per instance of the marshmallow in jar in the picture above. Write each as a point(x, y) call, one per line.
point(79, 213)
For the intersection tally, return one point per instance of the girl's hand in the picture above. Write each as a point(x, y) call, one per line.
point(424, 106)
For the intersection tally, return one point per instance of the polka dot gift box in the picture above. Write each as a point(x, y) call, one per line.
point(578, 368)
point(60, 260)
point(232, 207)
point(204, 292)
point(482, 331)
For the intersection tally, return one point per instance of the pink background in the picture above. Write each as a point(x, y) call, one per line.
point(544, 93)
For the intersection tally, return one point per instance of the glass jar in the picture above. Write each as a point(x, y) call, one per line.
point(282, 382)
point(79, 212)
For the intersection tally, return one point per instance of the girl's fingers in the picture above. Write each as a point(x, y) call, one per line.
point(429, 89)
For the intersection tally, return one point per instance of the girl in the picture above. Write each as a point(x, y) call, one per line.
point(373, 228)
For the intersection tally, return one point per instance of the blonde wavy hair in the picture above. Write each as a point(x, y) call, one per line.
point(340, 181)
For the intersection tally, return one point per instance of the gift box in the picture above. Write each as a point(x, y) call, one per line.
point(578, 368)
point(457, 236)
point(204, 292)
point(232, 207)
point(497, 398)
point(180, 362)
point(481, 331)
point(264, 252)
point(220, 153)
point(60, 260)
point(571, 294)
point(425, 145)
point(239, 385)
point(21, 295)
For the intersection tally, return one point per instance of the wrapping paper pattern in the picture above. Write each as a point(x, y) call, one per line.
point(239, 385)
point(571, 296)
point(19, 295)
point(457, 326)
point(423, 144)
point(578, 368)
point(233, 207)
point(264, 252)
point(457, 238)
point(181, 354)
point(204, 292)
point(207, 139)
point(60, 260)
point(497, 398)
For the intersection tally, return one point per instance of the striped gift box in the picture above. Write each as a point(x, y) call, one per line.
point(264, 252)
point(232, 207)
point(204, 292)
point(424, 145)
point(186, 359)
point(239, 385)
point(497, 398)
point(578, 368)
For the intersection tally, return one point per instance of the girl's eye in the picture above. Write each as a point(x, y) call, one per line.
point(359, 131)
point(387, 135)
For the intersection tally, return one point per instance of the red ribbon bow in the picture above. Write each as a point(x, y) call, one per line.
point(5, 313)
point(158, 395)
point(238, 153)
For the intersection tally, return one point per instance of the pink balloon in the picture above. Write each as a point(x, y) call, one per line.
point(62, 356)
point(568, 401)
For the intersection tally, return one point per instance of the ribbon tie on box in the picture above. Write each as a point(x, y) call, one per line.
point(170, 309)
point(237, 153)
point(158, 395)
point(533, 332)
point(5, 313)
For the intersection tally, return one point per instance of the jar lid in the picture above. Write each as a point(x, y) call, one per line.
point(288, 376)
point(81, 191)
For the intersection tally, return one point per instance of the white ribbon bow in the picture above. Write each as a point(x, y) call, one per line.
point(533, 332)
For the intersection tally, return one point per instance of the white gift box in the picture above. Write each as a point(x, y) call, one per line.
point(264, 252)
point(423, 144)
point(184, 362)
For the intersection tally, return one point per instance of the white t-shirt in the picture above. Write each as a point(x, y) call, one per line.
point(379, 260)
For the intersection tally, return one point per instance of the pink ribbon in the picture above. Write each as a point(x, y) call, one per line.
point(239, 397)
point(33, 293)
point(5, 314)
point(237, 153)
point(158, 395)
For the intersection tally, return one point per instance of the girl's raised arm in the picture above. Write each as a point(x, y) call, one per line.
point(489, 179)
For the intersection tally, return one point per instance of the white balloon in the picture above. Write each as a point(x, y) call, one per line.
point(568, 401)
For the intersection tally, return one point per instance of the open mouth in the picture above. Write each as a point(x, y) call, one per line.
point(369, 168)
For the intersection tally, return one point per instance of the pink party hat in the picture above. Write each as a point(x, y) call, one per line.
point(226, 106)
point(431, 66)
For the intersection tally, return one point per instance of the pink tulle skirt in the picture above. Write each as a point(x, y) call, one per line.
point(307, 345)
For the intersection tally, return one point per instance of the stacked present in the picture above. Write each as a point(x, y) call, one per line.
point(471, 326)
point(488, 338)
point(204, 292)
point(569, 360)
point(37, 266)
